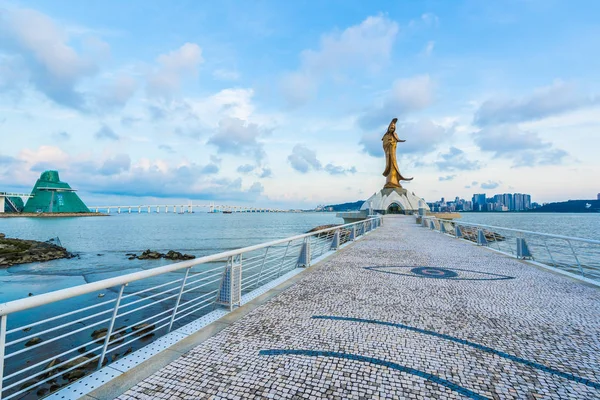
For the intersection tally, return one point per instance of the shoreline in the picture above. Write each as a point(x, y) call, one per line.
point(51, 215)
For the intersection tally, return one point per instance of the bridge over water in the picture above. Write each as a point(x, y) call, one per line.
point(405, 312)
point(5, 198)
point(182, 208)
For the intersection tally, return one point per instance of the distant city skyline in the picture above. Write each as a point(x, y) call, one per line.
point(283, 104)
point(481, 203)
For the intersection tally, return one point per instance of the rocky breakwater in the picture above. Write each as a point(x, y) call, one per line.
point(155, 255)
point(470, 233)
point(19, 251)
point(344, 232)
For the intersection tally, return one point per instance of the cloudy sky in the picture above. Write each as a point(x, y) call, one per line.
point(279, 103)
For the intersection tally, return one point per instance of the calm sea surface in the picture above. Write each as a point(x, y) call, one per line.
point(102, 243)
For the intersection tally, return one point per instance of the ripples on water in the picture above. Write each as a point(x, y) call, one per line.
point(102, 243)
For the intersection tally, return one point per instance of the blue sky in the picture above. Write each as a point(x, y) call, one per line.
point(284, 104)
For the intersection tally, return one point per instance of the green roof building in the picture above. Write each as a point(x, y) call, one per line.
point(50, 195)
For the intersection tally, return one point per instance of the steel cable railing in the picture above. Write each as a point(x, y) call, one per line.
point(577, 256)
point(80, 331)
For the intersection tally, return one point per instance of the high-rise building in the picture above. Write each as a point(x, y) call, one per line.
point(598, 196)
point(518, 202)
point(527, 201)
point(479, 202)
point(468, 206)
point(508, 201)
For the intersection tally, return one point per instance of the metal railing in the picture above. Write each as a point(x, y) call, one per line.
point(50, 340)
point(576, 256)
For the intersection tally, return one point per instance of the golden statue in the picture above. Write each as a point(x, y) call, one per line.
point(392, 173)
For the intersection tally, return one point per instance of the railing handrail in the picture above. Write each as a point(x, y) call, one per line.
point(63, 294)
point(592, 241)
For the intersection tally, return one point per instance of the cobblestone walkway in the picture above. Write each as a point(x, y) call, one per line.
point(403, 313)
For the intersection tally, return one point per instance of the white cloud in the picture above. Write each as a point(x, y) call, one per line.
point(454, 160)
point(405, 96)
point(106, 132)
point(118, 92)
point(446, 178)
point(304, 159)
point(428, 50)
point(115, 165)
point(490, 185)
point(366, 45)
point(430, 19)
point(236, 136)
point(173, 67)
point(557, 98)
point(524, 148)
point(51, 64)
point(226, 75)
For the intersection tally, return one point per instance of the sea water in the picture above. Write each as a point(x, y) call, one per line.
point(103, 242)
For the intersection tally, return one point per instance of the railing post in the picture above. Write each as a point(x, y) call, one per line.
point(261, 268)
point(457, 231)
point(335, 242)
point(187, 272)
point(442, 227)
point(304, 257)
point(576, 258)
point(522, 249)
point(3, 319)
point(481, 240)
point(353, 233)
point(111, 326)
point(230, 290)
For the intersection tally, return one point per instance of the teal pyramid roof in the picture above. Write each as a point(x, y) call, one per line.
point(50, 195)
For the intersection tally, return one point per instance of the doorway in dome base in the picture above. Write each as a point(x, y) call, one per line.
point(394, 208)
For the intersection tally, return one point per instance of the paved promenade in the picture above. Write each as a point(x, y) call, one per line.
point(403, 313)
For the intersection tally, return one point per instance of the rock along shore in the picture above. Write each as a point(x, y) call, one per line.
point(155, 255)
point(19, 251)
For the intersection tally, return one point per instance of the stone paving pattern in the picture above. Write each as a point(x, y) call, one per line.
point(531, 315)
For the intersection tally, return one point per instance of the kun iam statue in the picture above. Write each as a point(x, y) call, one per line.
point(392, 172)
point(392, 198)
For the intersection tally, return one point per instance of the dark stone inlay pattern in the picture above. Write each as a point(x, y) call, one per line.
point(434, 272)
point(441, 273)
point(377, 361)
point(531, 364)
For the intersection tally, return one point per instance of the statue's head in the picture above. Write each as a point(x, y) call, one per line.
point(392, 126)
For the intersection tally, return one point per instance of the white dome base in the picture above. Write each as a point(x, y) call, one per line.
point(406, 201)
